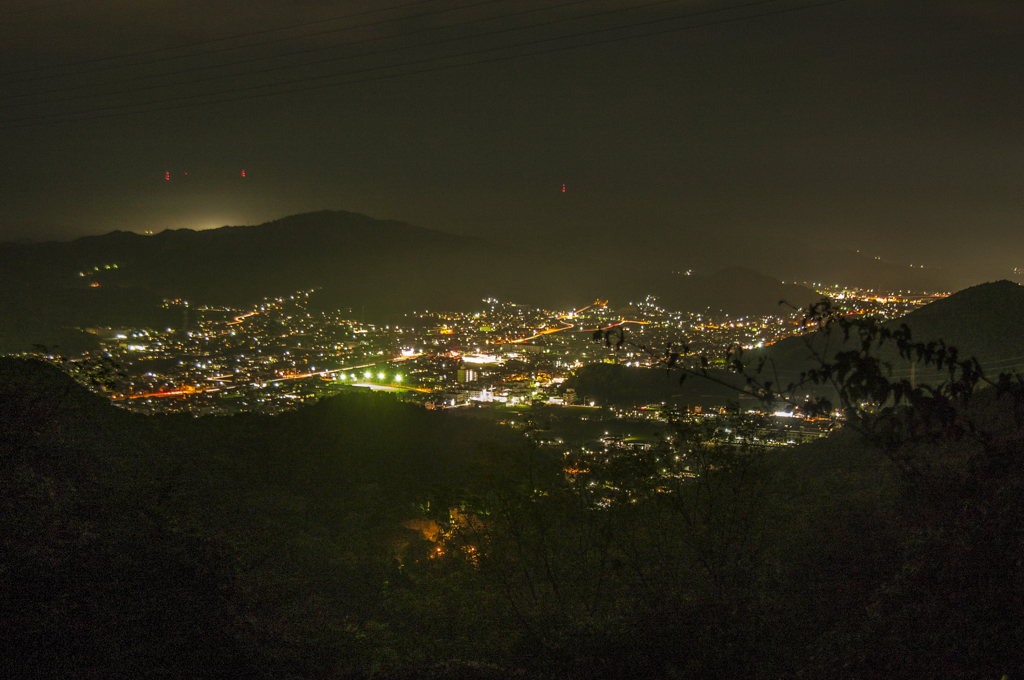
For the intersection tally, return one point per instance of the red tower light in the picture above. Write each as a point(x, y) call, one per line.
point(243, 173)
point(563, 187)
point(167, 175)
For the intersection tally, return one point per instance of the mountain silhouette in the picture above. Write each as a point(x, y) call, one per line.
point(380, 269)
point(984, 321)
point(738, 291)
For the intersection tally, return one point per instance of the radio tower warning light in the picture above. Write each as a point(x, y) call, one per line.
point(563, 187)
point(167, 175)
point(243, 173)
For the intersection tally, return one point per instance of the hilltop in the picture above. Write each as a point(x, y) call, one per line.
point(240, 265)
point(380, 269)
point(113, 517)
point(365, 538)
point(984, 321)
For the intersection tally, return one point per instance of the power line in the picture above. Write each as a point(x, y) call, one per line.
point(199, 44)
point(182, 102)
point(37, 8)
point(357, 72)
point(234, 48)
point(321, 61)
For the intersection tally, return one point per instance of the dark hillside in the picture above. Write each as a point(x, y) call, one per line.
point(120, 279)
point(227, 544)
point(618, 385)
point(734, 290)
point(362, 260)
point(985, 321)
point(363, 538)
point(377, 268)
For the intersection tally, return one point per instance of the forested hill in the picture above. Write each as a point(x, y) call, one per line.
point(384, 265)
point(985, 321)
point(362, 538)
point(206, 547)
point(378, 268)
point(353, 438)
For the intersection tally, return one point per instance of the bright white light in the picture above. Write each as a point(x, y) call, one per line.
point(480, 359)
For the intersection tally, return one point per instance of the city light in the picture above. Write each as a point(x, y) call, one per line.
point(508, 354)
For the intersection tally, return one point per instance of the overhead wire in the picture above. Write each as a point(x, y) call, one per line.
point(312, 50)
point(186, 101)
point(400, 65)
point(201, 43)
point(35, 8)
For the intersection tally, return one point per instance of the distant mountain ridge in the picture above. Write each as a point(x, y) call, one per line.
point(121, 277)
point(379, 268)
point(242, 264)
point(738, 291)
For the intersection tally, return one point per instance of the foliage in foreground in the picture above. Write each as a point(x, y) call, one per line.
point(363, 539)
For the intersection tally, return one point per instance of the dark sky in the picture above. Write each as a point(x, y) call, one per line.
point(891, 126)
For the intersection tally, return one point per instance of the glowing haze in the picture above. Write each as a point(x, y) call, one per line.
point(892, 128)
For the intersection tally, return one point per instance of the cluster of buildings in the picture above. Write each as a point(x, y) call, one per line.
point(285, 352)
point(870, 302)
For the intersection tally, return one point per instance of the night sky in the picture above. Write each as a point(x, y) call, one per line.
point(891, 126)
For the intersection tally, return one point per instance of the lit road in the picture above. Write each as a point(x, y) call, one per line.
point(242, 317)
point(296, 376)
point(564, 320)
point(572, 327)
